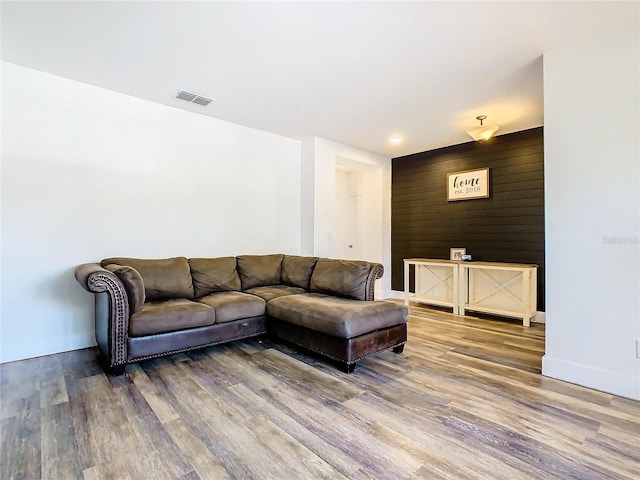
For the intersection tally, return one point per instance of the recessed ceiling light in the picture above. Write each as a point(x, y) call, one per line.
point(396, 140)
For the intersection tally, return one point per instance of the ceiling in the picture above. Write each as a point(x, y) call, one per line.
point(353, 72)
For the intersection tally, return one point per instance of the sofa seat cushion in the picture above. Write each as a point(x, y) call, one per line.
point(169, 316)
point(275, 291)
point(230, 306)
point(338, 317)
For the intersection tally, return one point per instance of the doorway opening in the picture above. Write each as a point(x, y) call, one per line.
point(358, 210)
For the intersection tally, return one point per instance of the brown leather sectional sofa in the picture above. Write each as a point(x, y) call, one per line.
point(150, 308)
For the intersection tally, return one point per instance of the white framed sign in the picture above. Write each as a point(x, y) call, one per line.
point(468, 185)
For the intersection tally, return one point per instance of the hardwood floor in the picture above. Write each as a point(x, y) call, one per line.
point(464, 401)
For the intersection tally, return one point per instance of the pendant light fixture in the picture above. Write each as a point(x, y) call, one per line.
point(483, 132)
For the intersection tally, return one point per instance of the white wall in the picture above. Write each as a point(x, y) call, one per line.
point(592, 185)
point(89, 173)
point(307, 192)
point(325, 155)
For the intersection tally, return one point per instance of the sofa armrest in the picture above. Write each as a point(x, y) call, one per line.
point(376, 272)
point(112, 310)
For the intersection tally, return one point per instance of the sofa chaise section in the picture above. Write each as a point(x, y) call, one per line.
point(345, 330)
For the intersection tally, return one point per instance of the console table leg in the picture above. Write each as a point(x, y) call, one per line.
point(406, 284)
point(526, 299)
point(463, 288)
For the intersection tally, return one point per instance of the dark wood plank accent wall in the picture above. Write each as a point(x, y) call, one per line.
point(506, 227)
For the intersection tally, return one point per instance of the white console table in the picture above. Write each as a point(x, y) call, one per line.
point(436, 282)
point(506, 289)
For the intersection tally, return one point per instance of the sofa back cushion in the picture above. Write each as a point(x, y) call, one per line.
point(297, 271)
point(259, 270)
point(163, 279)
point(133, 284)
point(214, 275)
point(342, 278)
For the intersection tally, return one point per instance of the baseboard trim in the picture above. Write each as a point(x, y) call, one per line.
point(592, 377)
point(540, 317)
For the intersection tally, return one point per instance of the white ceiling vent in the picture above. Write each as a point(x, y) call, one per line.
point(194, 98)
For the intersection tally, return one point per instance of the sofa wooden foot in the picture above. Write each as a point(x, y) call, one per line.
point(398, 349)
point(348, 367)
point(116, 370)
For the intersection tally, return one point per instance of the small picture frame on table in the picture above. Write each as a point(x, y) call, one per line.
point(456, 253)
